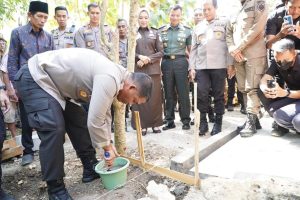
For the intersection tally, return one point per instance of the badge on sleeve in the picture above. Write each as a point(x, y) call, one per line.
point(83, 94)
point(260, 6)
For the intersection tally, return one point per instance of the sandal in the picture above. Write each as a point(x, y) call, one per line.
point(156, 130)
point(144, 132)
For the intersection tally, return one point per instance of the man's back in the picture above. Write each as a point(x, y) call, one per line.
point(69, 73)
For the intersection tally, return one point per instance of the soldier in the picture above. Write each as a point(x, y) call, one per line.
point(63, 36)
point(89, 36)
point(176, 40)
point(245, 41)
point(25, 42)
point(210, 72)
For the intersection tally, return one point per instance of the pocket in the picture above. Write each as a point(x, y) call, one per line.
point(219, 33)
point(40, 116)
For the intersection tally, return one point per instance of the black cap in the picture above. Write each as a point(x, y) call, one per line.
point(38, 6)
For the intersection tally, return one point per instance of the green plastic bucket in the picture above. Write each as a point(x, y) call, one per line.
point(117, 176)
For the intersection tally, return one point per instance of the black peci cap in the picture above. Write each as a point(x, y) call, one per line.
point(38, 6)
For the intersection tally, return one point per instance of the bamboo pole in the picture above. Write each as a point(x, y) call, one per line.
point(139, 137)
point(196, 139)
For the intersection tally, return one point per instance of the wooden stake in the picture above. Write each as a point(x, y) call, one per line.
point(185, 178)
point(139, 137)
point(196, 139)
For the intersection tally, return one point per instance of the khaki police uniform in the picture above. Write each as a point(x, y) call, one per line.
point(208, 44)
point(63, 39)
point(90, 38)
point(175, 70)
point(46, 86)
point(246, 33)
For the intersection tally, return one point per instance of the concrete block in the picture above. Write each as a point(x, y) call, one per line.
point(184, 161)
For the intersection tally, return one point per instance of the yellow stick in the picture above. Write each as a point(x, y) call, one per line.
point(196, 139)
point(185, 178)
point(139, 137)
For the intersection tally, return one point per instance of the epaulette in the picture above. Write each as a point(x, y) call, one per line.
point(154, 28)
point(187, 27)
point(162, 28)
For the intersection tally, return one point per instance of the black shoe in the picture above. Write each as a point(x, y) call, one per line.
point(5, 196)
point(186, 127)
point(156, 130)
point(144, 132)
point(257, 125)
point(89, 174)
point(168, 126)
point(243, 110)
point(278, 131)
point(192, 122)
point(60, 195)
point(250, 126)
point(165, 121)
point(203, 124)
point(217, 126)
point(57, 190)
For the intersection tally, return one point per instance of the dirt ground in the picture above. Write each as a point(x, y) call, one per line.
point(24, 183)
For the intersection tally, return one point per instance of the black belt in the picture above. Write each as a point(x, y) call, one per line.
point(172, 57)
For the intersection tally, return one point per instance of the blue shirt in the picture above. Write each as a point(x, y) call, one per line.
point(24, 44)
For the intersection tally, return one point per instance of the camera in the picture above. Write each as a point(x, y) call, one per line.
point(271, 83)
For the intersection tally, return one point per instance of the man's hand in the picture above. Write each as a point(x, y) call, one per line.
point(145, 59)
point(231, 71)
point(296, 33)
point(273, 93)
point(192, 75)
point(140, 63)
point(110, 153)
point(5, 104)
point(12, 94)
point(237, 55)
point(286, 29)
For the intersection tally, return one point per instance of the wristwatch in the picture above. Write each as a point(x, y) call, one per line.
point(289, 92)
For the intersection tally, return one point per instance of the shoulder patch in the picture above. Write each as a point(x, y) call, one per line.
point(260, 6)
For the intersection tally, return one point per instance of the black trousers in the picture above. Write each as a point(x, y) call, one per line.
point(214, 79)
point(26, 139)
point(46, 115)
point(2, 138)
point(175, 77)
point(231, 91)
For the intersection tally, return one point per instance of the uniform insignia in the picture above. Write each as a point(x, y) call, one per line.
point(260, 6)
point(83, 94)
point(200, 38)
point(218, 34)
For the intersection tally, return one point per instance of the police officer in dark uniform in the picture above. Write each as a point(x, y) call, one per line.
point(176, 40)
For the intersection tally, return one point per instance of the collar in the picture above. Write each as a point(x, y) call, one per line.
point(147, 28)
point(29, 28)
